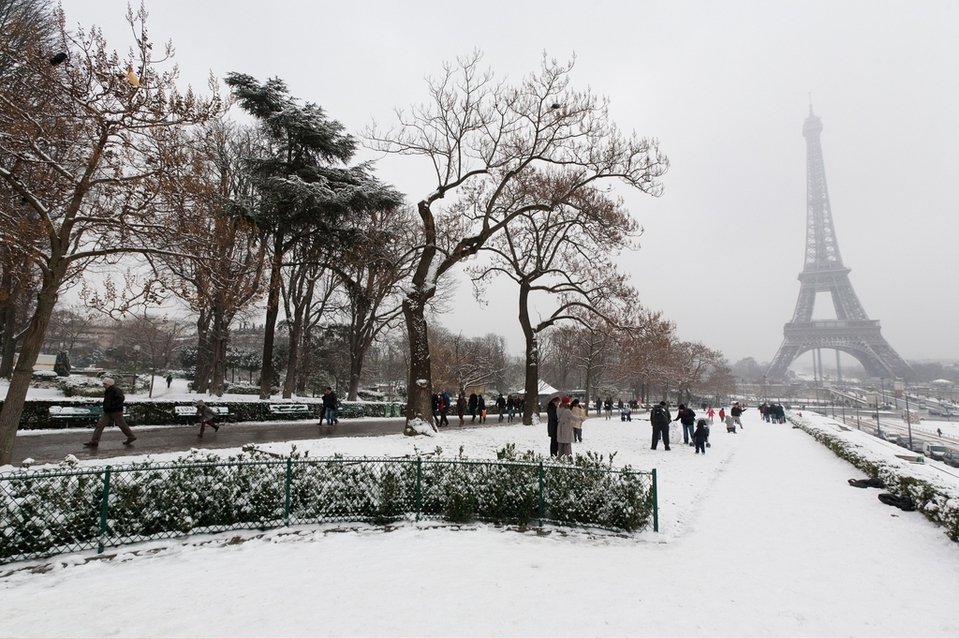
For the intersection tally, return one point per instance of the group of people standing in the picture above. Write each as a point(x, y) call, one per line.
point(564, 425)
point(507, 407)
point(774, 413)
point(695, 431)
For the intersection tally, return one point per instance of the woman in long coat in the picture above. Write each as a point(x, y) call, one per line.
point(568, 421)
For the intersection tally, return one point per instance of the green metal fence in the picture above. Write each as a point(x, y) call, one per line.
point(44, 513)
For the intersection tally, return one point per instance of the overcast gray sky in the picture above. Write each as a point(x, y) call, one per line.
point(723, 85)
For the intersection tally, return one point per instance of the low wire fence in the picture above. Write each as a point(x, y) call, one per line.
point(45, 513)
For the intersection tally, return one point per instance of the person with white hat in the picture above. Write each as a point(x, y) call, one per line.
point(112, 412)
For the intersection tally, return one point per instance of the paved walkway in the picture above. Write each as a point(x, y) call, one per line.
point(51, 446)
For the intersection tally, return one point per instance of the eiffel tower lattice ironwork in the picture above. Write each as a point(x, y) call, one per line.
point(852, 331)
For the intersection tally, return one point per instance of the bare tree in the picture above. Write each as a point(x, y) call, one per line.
point(561, 255)
point(83, 143)
point(462, 362)
point(158, 338)
point(377, 260)
point(215, 262)
point(692, 361)
point(644, 354)
point(482, 137)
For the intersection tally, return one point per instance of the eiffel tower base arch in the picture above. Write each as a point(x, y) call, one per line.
point(859, 338)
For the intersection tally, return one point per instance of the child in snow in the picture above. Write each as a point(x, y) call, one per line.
point(700, 435)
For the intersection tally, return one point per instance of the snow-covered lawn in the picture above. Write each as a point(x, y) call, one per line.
point(761, 536)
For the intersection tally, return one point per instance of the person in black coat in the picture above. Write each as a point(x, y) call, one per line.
point(552, 425)
point(471, 405)
point(501, 406)
point(659, 417)
point(700, 435)
point(687, 418)
point(330, 404)
point(113, 399)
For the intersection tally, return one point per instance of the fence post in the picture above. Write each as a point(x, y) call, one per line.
point(286, 491)
point(418, 492)
point(655, 503)
point(104, 510)
point(542, 498)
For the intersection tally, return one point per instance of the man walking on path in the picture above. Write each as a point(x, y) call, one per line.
point(329, 407)
point(112, 412)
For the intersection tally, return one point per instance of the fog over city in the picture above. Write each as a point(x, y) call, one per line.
point(724, 86)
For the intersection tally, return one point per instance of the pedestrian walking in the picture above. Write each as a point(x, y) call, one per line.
point(169, 379)
point(481, 407)
point(501, 406)
point(710, 413)
point(471, 405)
point(444, 406)
point(510, 408)
point(461, 407)
point(206, 416)
point(329, 407)
point(113, 399)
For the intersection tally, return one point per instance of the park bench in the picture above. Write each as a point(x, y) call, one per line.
point(77, 413)
point(80, 414)
point(290, 409)
point(190, 411)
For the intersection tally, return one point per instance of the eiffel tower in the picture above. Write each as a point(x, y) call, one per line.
point(852, 331)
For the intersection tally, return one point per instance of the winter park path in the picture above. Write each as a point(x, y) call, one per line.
point(761, 537)
point(51, 446)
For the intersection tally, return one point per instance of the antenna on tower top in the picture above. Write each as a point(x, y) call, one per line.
point(810, 103)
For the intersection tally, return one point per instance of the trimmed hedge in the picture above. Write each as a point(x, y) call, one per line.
point(939, 504)
point(66, 509)
point(36, 413)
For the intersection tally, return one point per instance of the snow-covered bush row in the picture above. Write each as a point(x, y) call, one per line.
point(36, 414)
point(62, 510)
point(933, 497)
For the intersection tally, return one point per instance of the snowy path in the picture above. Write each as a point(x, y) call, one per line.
point(763, 537)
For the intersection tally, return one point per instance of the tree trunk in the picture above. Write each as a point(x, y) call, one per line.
point(589, 381)
point(419, 387)
point(293, 357)
point(531, 369)
point(8, 319)
point(219, 340)
point(23, 371)
point(272, 312)
point(204, 352)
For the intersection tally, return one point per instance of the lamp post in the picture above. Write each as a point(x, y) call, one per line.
point(908, 418)
point(136, 362)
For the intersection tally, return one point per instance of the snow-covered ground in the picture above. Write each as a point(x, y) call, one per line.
point(761, 536)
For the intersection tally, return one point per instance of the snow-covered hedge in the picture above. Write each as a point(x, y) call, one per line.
point(36, 413)
point(62, 510)
point(936, 500)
